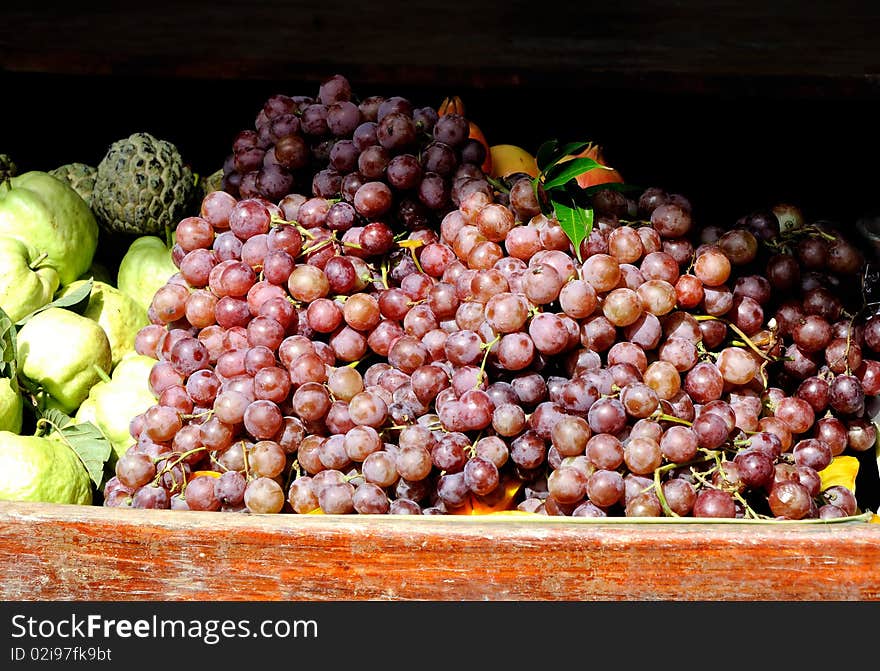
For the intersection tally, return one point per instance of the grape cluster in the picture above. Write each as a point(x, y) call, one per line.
point(379, 158)
point(661, 369)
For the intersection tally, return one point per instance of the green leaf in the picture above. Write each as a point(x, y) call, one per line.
point(572, 148)
point(56, 418)
point(550, 152)
point(612, 186)
point(562, 173)
point(76, 301)
point(576, 221)
point(86, 439)
point(546, 152)
point(8, 347)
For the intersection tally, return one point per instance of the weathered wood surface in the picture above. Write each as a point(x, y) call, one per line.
point(52, 552)
point(804, 45)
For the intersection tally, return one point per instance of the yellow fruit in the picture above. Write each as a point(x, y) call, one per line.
point(41, 469)
point(52, 220)
point(11, 406)
point(841, 471)
point(509, 158)
point(87, 410)
point(62, 351)
point(98, 272)
point(111, 405)
point(25, 284)
point(145, 267)
point(119, 315)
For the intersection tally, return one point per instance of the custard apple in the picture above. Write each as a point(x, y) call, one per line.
point(142, 186)
point(80, 176)
point(205, 184)
point(212, 182)
point(8, 169)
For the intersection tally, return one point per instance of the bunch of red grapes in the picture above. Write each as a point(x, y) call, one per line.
point(322, 350)
point(377, 158)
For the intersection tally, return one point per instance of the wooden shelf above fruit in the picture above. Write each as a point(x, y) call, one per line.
point(67, 552)
point(810, 49)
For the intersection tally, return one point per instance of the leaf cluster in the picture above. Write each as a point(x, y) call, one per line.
point(557, 190)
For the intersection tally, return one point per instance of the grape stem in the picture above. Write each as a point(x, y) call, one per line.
point(199, 415)
point(278, 222)
point(748, 341)
point(306, 233)
point(472, 448)
point(849, 345)
point(293, 473)
point(497, 184)
point(487, 346)
point(176, 462)
point(316, 247)
point(384, 270)
point(244, 458)
point(412, 246)
point(658, 489)
point(749, 513)
point(663, 417)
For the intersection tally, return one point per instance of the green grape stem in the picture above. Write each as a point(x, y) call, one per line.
point(748, 341)
point(487, 346)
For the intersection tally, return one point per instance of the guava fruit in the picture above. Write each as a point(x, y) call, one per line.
point(50, 218)
point(42, 469)
point(11, 406)
point(145, 267)
point(112, 405)
point(119, 315)
point(63, 352)
point(25, 284)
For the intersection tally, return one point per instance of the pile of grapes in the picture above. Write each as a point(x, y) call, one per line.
point(380, 158)
point(364, 322)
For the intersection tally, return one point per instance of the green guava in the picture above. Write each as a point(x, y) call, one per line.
point(41, 469)
point(51, 219)
point(25, 283)
point(63, 352)
point(119, 315)
point(112, 405)
point(145, 267)
point(11, 406)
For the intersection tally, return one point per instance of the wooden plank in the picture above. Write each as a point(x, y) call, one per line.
point(52, 552)
point(811, 45)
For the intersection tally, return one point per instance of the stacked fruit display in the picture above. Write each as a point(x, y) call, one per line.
point(378, 312)
point(70, 375)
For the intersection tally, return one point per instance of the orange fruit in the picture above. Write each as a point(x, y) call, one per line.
point(595, 176)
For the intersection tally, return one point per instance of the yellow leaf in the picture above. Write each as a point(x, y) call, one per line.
point(841, 471)
point(316, 511)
